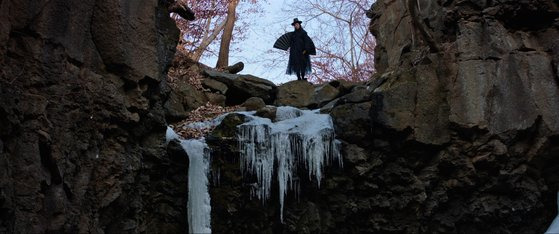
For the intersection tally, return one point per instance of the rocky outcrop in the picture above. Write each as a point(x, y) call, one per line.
point(324, 94)
point(215, 86)
point(297, 93)
point(456, 133)
point(82, 121)
point(302, 94)
point(242, 87)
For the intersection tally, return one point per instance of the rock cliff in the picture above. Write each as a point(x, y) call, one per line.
point(82, 127)
point(457, 132)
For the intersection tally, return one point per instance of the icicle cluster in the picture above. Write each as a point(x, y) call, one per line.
point(297, 138)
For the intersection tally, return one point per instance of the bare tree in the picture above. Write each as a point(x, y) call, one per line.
point(344, 44)
point(198, 37)
point(223, 59)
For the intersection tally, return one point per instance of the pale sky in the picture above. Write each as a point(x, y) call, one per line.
point(261, 35)
point(274, 21)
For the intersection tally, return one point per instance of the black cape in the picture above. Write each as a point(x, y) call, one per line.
point(299, 42)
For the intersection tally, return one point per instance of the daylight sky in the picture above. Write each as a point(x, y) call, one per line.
point(273, 22)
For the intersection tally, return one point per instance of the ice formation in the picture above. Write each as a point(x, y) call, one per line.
point(554, 227)
point(199, 208)
point(298, 138)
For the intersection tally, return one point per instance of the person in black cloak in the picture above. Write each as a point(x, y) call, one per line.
point(301, 47)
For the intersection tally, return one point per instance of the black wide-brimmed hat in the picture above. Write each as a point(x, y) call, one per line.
point(295, 21)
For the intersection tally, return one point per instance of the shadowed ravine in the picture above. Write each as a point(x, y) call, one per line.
point(456, 132)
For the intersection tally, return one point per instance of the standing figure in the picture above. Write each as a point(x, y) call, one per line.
point(300, 48)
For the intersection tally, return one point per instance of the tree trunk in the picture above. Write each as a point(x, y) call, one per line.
point(197, 54)
point(223, 59)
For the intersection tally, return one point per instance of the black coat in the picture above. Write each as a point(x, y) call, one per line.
point(299, 62)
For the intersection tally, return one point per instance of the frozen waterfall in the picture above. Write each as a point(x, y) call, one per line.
point(199, 208)
point(298, 138)
point(554, 227)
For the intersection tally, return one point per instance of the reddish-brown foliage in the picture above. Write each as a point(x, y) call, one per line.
point(201, 114)
point(198, 36)
point(184, 70)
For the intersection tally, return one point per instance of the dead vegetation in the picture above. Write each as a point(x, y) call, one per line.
point(185, 70)
point(204, 113)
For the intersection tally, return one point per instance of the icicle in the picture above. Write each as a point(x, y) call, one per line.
point(297, 138)
point(199, 207)
point(170, 135)
point(554, 227)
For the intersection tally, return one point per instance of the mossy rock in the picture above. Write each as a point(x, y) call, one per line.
point(228, 127)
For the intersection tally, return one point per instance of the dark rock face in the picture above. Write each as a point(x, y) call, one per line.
point(457, 133)
point(82, 123)
point(242, 87)
point(324, 94)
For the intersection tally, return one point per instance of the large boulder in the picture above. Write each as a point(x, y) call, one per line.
point(243, 87)
point(324, 94)
point(190, 97)
point(267, 112)
point(297, 93)
point(215, 86)
point(357, 95)
point(174, 109)
point(343, 86)
point(216, 98)
point(253, 103)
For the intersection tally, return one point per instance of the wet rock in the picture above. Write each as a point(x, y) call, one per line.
point(297, 93)
point(352, 122)
point(329, 106)
point(253, 103)
point(227, 130)
point(33, 104)
point(357, 95)
point(191, 98)
point(354, 154)
point(177, 154)
point(216, 99)
point(343, 86)
point(174, 108)
point(267, 112)
point(324, 94)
